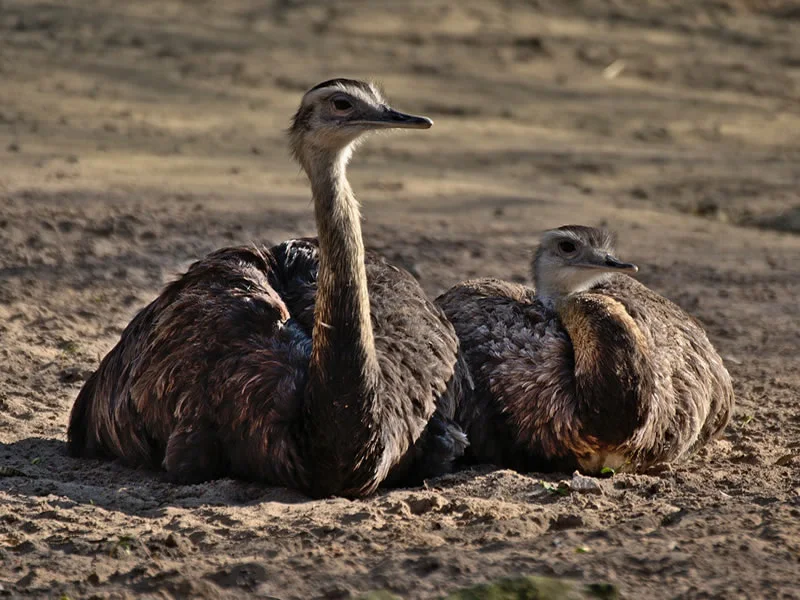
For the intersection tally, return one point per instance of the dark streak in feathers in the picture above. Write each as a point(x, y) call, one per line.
point(220, 374)
point(631, 376)
point(362, 85)
point(301, 119)
point(210, 379)
point(593, 236)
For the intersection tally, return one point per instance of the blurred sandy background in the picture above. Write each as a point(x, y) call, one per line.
point(135, 137)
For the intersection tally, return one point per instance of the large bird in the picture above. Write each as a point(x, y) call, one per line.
point(591, 370)
point(312, 364)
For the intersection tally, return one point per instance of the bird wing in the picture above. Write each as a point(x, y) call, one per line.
point(694, 397)
point(519, 362)
point(218, 344)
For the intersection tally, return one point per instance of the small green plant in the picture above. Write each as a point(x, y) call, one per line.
point(123, 543)
point(607, 472)
point(560, 489)
point(582, 549)
point(747, 419)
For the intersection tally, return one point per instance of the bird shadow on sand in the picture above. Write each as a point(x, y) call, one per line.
point(40, 467)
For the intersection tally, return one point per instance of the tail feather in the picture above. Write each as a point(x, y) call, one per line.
point(81, 440)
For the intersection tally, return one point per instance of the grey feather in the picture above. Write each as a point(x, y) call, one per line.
point(612, 376)
point(309, 364)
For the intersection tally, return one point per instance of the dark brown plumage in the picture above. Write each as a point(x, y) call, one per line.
point(311, 364)
point(591, 370)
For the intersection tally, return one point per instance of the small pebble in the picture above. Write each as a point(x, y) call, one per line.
point(585, 485)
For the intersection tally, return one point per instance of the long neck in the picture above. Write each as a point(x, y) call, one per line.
point(343, 344)
point(344, 368)
point(613, 375)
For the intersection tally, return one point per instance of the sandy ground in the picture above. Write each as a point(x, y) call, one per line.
point(135, 137)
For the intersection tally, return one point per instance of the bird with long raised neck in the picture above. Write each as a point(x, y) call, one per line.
point(590, 370)
point(313, 364)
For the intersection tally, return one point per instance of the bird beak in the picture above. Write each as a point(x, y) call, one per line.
point(392, 119)
point(614, 264)
point(606, 262)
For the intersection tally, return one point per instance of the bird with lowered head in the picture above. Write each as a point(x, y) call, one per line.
point(589, 370)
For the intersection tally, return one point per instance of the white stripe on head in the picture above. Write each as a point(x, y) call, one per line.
point(373, 96)
point(560, 234)
point(595, 237)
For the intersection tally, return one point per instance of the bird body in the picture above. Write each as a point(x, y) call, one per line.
point(312, 364)
point(590, 370)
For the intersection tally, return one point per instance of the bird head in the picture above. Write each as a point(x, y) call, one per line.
point(574, 258)
point(334, 114)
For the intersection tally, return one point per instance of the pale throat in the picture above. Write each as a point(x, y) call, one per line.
point(327, 169)
point(342, 281)
point(336, 209)
point(564, 282)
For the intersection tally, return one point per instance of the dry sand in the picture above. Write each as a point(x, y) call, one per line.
point(135, 137)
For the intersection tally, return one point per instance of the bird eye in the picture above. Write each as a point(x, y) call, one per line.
point(566, 247)
point(342, 104)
